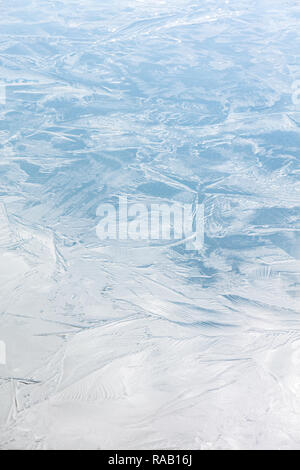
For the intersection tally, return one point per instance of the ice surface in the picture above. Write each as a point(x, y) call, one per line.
point(139, 346)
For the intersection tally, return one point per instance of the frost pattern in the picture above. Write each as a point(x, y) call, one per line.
point(140, 346)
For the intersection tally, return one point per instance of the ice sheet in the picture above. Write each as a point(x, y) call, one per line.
point(134, 345)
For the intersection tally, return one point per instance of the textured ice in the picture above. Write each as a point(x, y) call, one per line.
point(139, 346)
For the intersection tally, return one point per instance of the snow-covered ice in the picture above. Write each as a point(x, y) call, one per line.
point(138, 345)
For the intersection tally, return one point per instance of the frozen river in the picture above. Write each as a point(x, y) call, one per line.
point(134, 343)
